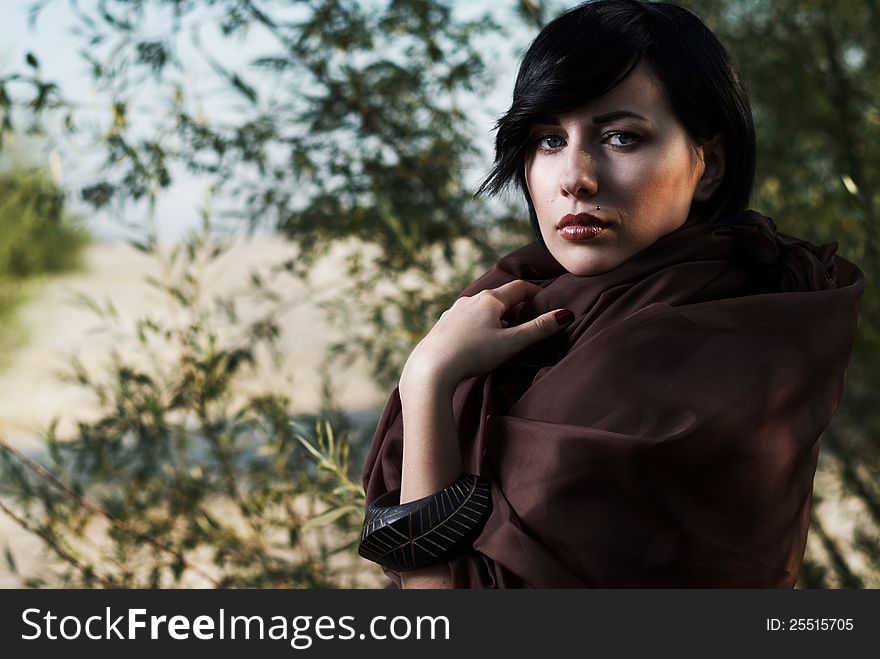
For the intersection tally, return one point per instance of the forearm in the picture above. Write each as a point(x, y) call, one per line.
point(431, 455)
point(471, 338)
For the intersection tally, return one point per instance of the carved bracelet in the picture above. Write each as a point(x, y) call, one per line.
point(428, 530)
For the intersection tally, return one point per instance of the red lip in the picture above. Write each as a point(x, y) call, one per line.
point(581, 219)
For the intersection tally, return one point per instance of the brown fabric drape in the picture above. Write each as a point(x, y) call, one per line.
point(668, 437)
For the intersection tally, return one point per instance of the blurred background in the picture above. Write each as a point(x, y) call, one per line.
point(224, 224)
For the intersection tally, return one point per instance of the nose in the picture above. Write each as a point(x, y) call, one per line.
point(579, 178)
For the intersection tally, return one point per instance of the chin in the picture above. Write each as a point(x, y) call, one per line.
point(585, 265)
point(589, 270)
point(585, 260)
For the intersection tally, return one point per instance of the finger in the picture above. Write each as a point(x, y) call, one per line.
point(511, 314)
point(515, 291)
point(542, 327)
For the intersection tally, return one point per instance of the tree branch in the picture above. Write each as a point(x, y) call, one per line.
point(48, 477)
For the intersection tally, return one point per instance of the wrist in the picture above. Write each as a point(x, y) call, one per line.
point(422, 378)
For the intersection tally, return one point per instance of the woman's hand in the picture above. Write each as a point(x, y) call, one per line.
point(470, 338)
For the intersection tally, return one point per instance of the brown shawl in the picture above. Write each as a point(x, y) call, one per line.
point(668, 437)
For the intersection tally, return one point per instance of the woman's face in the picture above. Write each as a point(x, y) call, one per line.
point(624, 152)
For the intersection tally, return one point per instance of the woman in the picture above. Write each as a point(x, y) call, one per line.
point(639, 393)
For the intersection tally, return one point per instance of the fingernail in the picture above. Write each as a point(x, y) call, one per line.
point(563, 317)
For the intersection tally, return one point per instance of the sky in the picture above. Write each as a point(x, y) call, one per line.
point(178, 208)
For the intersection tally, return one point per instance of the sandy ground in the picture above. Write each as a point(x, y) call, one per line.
point(31, 393)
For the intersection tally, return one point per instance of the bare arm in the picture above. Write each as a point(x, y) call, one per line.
point(469, 339)
point(431, 457)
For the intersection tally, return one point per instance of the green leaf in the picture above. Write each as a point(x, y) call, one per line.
point(147, 247)
point(249, 92)
point(311, 449)
point(331, 516)
point(10, 560)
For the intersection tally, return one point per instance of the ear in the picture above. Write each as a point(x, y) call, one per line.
point(713, 169)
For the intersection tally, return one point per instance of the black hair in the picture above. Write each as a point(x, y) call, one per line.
point(586, 51)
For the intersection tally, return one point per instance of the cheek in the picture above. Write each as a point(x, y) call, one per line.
point(528, 176)
point(670, 179)
point(533, 178)
point(541, 183)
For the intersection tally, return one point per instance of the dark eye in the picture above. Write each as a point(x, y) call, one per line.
point(550, 142)
point(621, 139)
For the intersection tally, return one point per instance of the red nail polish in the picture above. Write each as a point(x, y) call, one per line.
point(564, 317)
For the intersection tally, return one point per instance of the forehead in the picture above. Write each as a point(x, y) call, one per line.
point(641, 92)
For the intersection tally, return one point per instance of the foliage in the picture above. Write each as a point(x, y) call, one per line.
point(348, 123)
point(347, 126)
point(37, 236)
point(183, 479)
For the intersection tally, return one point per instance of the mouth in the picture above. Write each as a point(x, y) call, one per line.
point(581, 226)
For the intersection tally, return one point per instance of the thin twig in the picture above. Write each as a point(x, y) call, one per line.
point(47, 476)
point(64, 554)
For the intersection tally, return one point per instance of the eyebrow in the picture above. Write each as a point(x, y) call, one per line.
point(617, 114)
point(598, 119)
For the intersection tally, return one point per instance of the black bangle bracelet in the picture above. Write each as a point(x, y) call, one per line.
point(428, 530)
